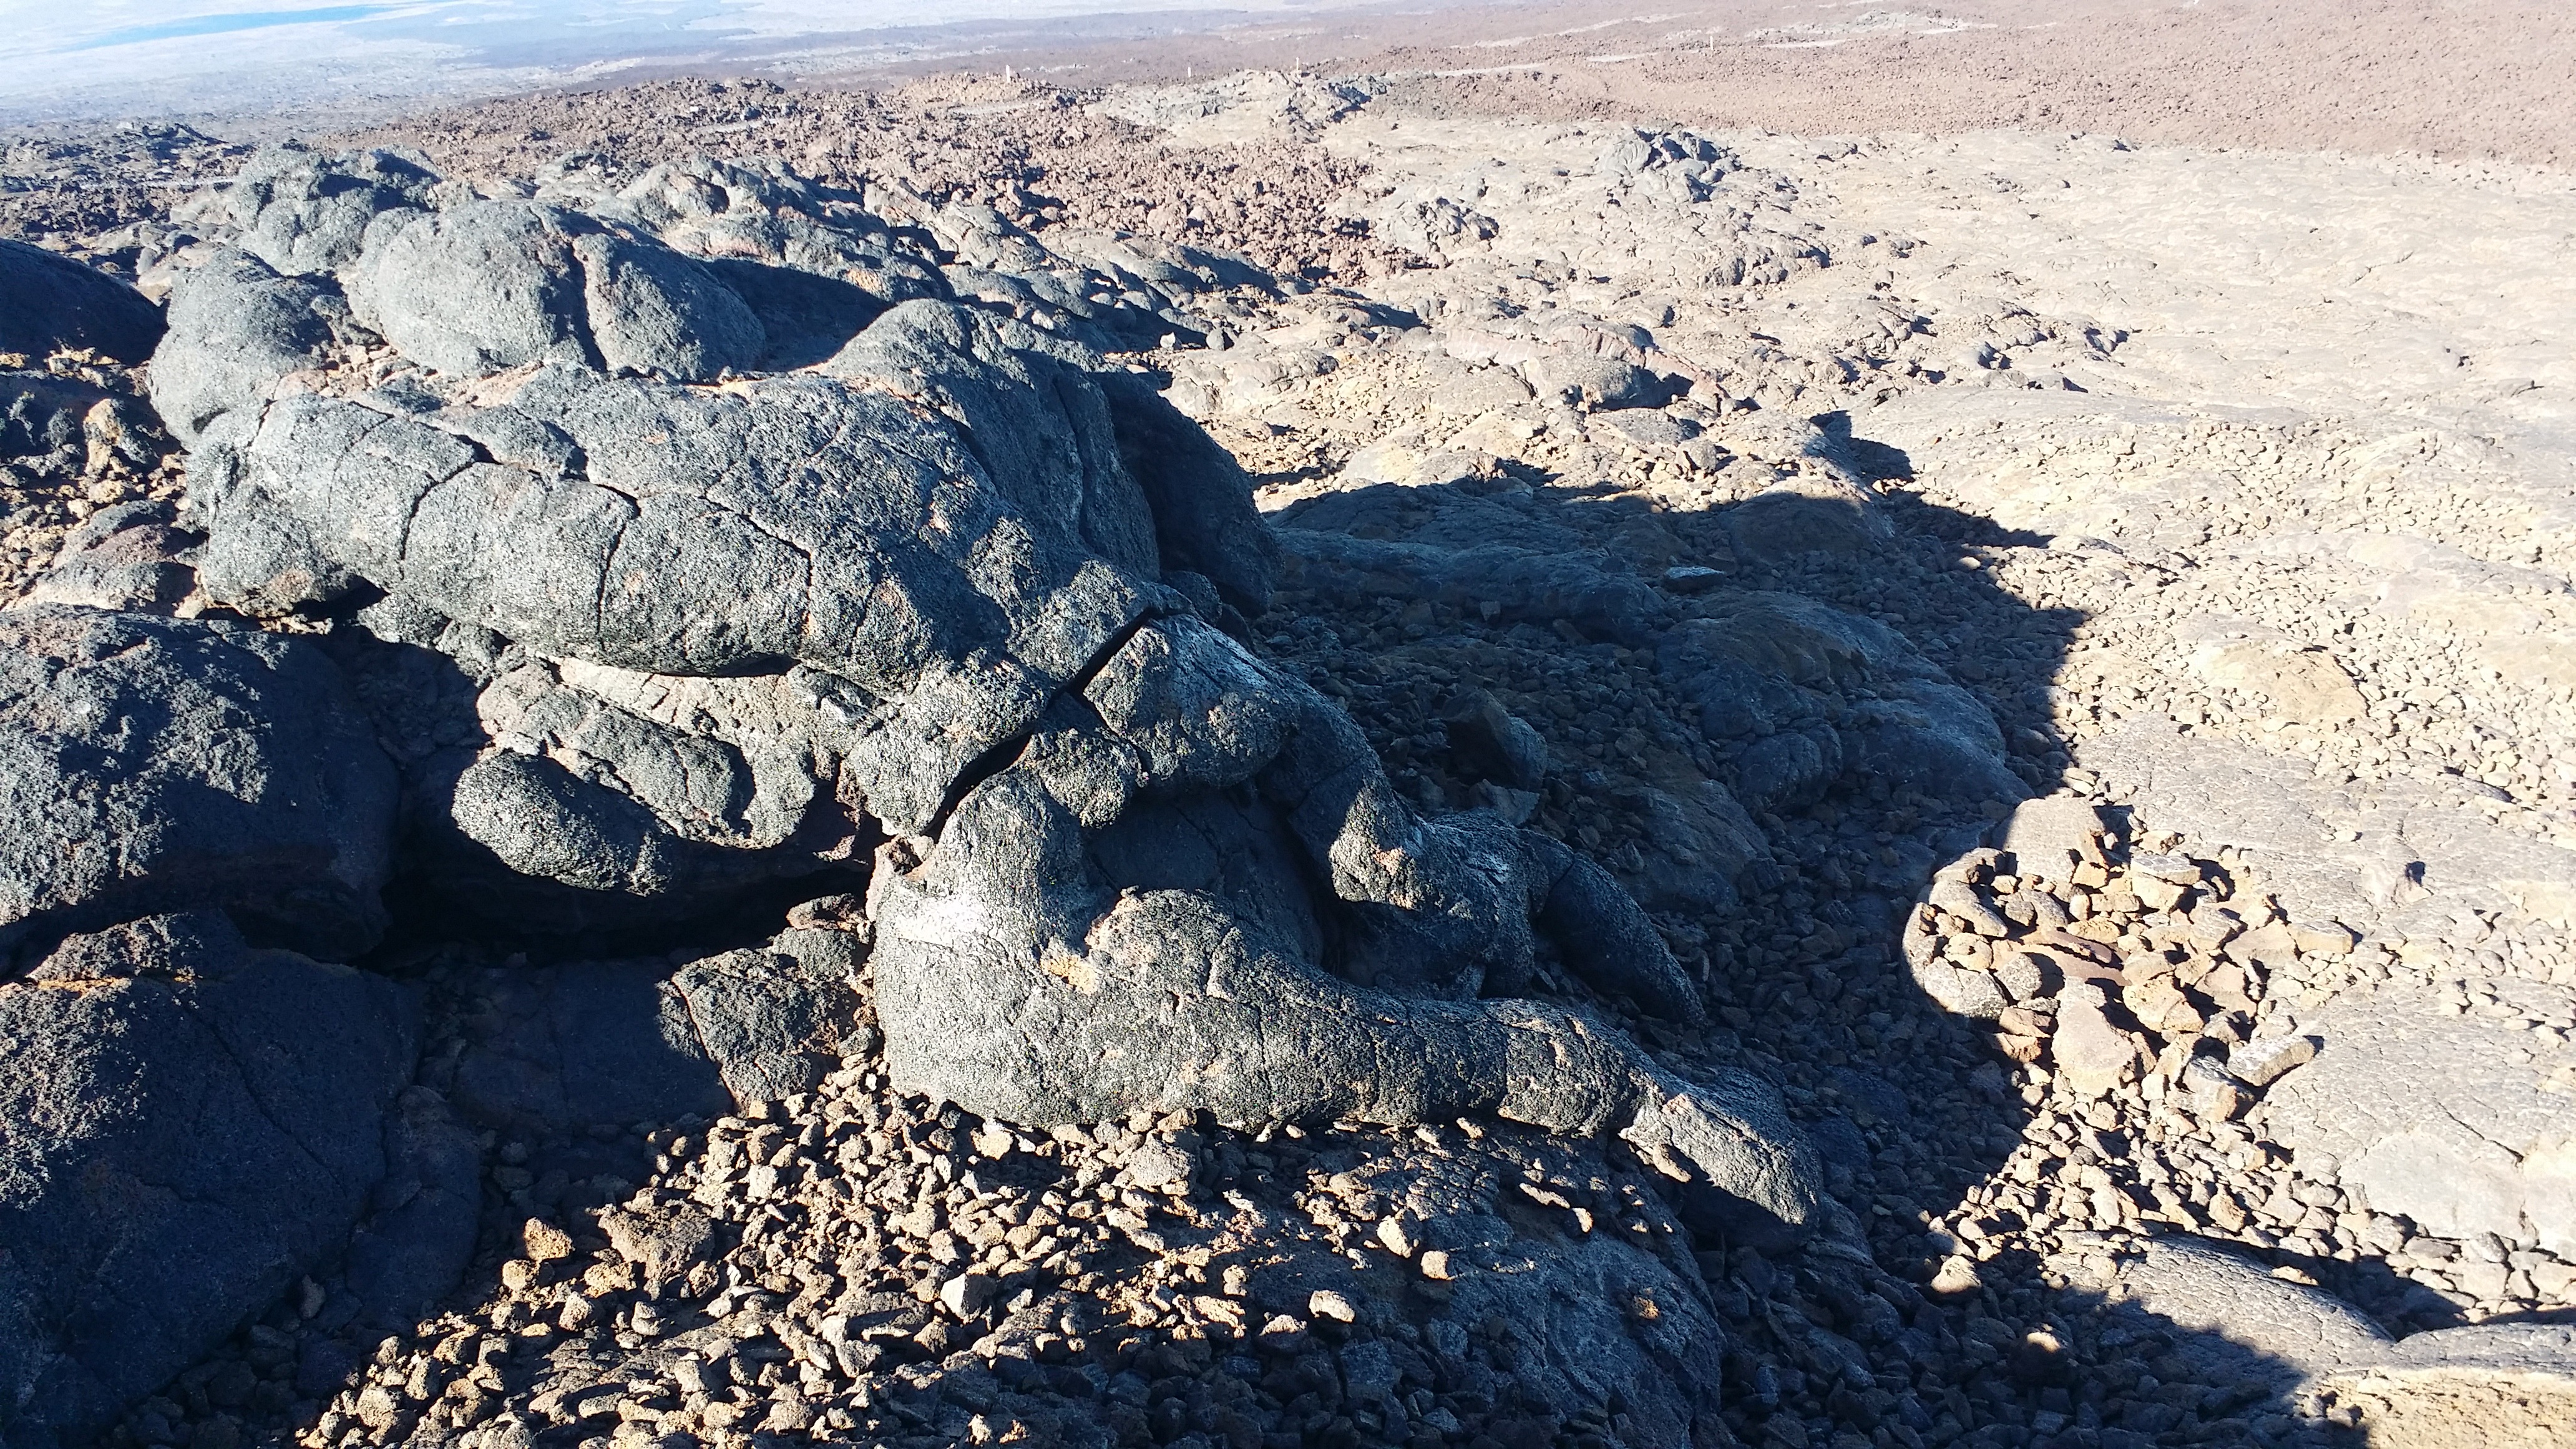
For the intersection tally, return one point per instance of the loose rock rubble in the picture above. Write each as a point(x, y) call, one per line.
point(1618, 907)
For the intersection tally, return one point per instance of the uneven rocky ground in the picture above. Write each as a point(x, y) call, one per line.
point(2233, 487)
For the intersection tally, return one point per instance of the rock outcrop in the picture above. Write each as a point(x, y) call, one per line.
point(934, 554)
point(2460, 1122)
point(55, 302)
point(162, 765)
point(187, 1125)
point(687, 549)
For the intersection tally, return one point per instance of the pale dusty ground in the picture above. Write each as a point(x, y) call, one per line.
point(2454, 78)
point(2330, 394)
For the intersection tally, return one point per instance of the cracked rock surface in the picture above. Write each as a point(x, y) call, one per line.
point(1275, 763)
point(166, 765)
point(192, 1123)
point(640, 648)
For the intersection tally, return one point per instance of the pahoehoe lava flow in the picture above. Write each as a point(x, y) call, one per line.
point(1274, 762)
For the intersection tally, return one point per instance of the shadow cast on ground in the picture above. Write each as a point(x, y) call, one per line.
point(1910, 1106)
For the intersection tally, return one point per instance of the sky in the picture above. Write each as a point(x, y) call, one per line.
point(89, 60)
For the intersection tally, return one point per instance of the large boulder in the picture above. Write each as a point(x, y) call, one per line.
point(1038, 963)
point(732, 215)
point(154, 765)
point(918, 594)
point(691, 540)
point(49, 302)
point(236, 328)
point(186, 1125)
point(306, 212)
point(1805, 692)
point(492, 285)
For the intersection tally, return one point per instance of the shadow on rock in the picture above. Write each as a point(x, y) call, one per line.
point(1503, 1031)
point(1776, 721)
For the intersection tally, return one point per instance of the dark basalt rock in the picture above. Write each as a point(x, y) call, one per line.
point(1204, 521)
point(186, 1126)
point(157, 765)
point(62, 427)
point(1802, 694)
point(620, 632)
point(492, 285)
point(1819, 691)
point(567, 1047)
point(305, 213)
point(914, 595)
point(758, 223)
point(236, 328)
point(48, 302)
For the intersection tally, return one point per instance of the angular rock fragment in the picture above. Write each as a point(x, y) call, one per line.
point(1489, 742)
point(664, 1242)
point(2093, 1052)
point(1959, 990)
point(2261, 1063)
point(2215, 1093)
point(775, 1019)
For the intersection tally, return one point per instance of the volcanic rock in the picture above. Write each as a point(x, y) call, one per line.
point(166, 765)
point(55, 302)
point(189, 1125)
